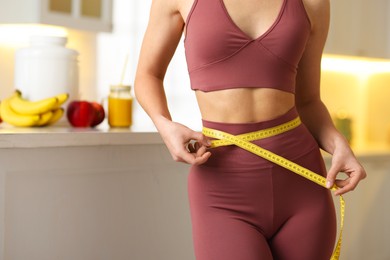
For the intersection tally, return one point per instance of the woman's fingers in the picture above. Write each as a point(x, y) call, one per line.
point(343, 160)
point(349, 184)
point(331, 176)
point(199, 153)
point(201, 138)
point(198, 157)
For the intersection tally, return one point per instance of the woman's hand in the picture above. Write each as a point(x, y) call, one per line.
point(184, 144)
point(343, 160)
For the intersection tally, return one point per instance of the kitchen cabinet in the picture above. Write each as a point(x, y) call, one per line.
point(91, 194)
point(359, 28)
point(90, 15)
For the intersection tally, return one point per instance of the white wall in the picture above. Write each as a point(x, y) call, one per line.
point(130, 20)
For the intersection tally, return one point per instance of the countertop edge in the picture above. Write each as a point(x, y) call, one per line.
point(78, 137)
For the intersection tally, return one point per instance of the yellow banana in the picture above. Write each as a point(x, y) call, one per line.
point(57, 114)
point(26, 107)
point(44, 118)
point(61, 99)
point(11, 117)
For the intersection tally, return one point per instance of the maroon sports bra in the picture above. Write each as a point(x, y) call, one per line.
point(221, 56)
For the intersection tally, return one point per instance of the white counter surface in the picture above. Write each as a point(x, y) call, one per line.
point(13, 137)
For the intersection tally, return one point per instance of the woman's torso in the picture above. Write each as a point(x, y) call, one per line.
point(244, 103)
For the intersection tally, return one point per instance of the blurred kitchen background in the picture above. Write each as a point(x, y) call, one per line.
point(355, 83)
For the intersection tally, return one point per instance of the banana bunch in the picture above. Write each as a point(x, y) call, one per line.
point(17, 111)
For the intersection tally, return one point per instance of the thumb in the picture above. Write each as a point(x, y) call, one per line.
point(331, 176)
point(201, 138)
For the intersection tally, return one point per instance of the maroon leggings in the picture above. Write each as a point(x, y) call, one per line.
point(244, 207)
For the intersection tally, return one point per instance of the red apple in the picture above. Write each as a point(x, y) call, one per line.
point(80, 113)
point(99, 114)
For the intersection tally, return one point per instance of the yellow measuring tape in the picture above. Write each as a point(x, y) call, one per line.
point(243, 141)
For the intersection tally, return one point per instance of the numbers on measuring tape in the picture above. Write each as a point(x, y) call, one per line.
point(257, 135)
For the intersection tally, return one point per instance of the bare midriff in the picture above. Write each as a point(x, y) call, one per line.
point(244, 105)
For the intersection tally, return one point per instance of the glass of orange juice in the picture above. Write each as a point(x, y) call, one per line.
point(120, 102)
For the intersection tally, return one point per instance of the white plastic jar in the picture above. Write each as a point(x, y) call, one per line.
point(46, 68)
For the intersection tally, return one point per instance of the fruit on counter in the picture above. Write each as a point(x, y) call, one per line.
point(14, 118)
point(99, 114)
point(82, 113)
point(26, 107)
point(57, 115)
point(18, 111)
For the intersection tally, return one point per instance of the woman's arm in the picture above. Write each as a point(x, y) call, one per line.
point(312, 110)
point(159, 44)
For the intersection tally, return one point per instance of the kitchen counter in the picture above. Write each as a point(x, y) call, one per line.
point(13, 137)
